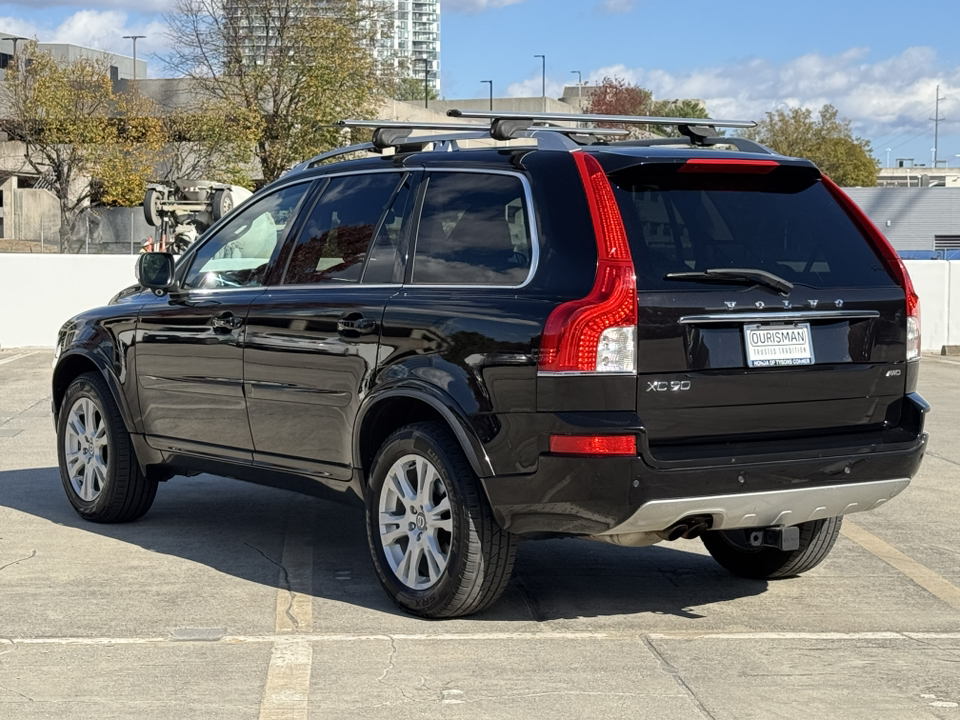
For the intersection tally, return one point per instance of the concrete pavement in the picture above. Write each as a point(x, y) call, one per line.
point(230, 600)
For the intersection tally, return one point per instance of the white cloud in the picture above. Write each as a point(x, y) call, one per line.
point(475, 6)
point(881, 98)
point(616, 7)
point(96, 29)
point(533, 87)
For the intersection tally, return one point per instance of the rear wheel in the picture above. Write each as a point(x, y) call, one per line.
point(435, 545)
point(98, 465)
point(733, 550)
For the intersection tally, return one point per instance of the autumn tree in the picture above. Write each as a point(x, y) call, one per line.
point(298, 66)
point(827, 140)
point(80, 136)
point(616, 96)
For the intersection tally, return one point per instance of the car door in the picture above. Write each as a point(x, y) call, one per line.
point(189, 354)
point(312, 342)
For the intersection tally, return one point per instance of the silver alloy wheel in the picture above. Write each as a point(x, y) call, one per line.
point(415, 522)
point(85, 449)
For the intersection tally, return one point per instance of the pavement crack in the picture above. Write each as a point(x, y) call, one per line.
point(529, 600)
point(938, 456)
point(391, 666)
point(677, 677)
point(286, 583)
point(16, 692)
point(32, 555)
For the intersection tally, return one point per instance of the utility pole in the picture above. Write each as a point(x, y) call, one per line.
point(936, 129)
point(134, 38)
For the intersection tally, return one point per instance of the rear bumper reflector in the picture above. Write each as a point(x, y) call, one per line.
point(593, 444)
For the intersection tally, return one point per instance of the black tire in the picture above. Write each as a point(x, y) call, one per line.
point(479, 553)
point(151, 207)
point(123, 493)
point(222, 203)
point(732, 550)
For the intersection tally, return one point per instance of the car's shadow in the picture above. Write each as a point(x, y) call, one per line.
point(238, 529)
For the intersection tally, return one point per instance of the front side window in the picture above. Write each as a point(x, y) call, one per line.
point(240, 251)
point(336, 237)
point(473, 231)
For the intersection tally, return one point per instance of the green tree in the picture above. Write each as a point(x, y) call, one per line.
point(679, 109)
point(827, 140)
point(80, 136)
point(411, 90)
point(298, 66)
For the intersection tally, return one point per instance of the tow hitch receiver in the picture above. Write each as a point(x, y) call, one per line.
point(779, 537)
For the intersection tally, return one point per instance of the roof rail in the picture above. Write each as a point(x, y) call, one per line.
point(618, 119)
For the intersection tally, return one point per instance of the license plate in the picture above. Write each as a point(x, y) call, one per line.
point(778, 345)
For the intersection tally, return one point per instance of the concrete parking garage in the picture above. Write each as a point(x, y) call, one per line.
point(231, 600)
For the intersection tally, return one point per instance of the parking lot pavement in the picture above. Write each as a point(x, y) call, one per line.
point(231, 600)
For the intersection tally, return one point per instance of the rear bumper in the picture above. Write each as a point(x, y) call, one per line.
point(763, 509)
point(618, 495)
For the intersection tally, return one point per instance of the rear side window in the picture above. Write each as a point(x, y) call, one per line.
point(473, 231)
point(785, 222)
point(334, 241)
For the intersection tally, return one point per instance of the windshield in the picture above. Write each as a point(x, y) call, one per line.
point(785, 223)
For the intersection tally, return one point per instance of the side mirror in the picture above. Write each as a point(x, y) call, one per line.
point(155, 271)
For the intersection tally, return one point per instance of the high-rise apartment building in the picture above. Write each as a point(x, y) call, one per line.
point(416, 38)
point(413, 46)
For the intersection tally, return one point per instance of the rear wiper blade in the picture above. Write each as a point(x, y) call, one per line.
point(736, 275)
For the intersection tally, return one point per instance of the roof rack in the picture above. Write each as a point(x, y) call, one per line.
point(519, 125)
point(619, 119)
point(389, 133)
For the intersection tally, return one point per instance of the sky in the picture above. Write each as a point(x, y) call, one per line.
point(877, 61)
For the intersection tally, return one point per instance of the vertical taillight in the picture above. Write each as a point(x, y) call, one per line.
point(888, 255)
point(597, 334)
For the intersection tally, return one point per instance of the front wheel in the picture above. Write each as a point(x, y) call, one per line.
point(733, 550)
point(98, 465)
point(436, 547)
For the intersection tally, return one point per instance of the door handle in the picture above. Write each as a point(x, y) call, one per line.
point(226, 321)
point(354, 324)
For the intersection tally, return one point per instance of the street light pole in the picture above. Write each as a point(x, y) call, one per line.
point(426, 81)
point(134, 38)
point(888, 158)
point(543, 76)
point(15, 39)
point(490, 83)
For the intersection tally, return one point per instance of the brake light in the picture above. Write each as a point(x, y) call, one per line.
point(597, 334)
point(593, 444)
point(729, 165)
point(886, 253)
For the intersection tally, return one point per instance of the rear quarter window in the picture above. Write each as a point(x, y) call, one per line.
point(786, 223)
point(473, 231)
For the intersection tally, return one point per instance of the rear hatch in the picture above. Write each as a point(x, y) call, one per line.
point(727, 351)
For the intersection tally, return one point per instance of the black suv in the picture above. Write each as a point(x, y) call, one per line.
point(628, 341)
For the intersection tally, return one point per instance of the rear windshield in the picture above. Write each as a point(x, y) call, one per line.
point(784, 222)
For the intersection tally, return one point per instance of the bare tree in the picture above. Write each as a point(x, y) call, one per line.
point(299, 66)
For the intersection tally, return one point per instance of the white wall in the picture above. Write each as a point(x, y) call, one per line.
point(38, 293)
point(938, 284)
